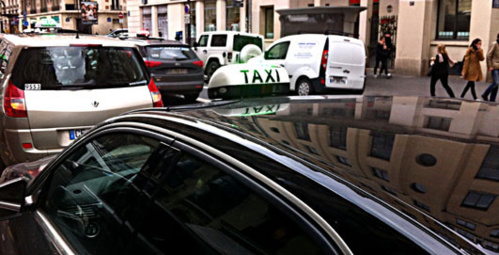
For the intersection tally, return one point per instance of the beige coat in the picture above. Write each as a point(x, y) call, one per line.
point(493, 56)
point(471, 69)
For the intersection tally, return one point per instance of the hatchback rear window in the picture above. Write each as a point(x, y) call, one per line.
point(240, 41)
point(52, 68)
point(170, 53)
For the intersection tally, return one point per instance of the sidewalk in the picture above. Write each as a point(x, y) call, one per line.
point(403, 85)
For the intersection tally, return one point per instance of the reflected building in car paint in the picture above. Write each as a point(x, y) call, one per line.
point(430, 155)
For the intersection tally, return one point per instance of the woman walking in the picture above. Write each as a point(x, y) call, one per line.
point(440, 70)
point(471, 68)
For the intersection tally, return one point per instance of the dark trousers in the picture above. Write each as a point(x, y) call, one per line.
point(444, 79)
point(469, 85)
point(384, 65)
point(492, 89)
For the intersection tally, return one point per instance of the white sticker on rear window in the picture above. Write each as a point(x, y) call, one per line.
point(155, 55)
point(32, 86)
point(138, 83)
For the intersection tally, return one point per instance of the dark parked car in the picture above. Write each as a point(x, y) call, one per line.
point(175, 68)
point(368, 175)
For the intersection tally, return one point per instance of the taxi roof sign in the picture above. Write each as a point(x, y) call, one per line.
point(47, 23)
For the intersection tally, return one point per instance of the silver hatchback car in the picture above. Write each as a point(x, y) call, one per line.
point(55, 87)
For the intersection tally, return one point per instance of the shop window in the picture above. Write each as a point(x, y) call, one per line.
point(312, 150)
point(454, 18)
point(466, 224)
point(269, 22)
point(480, 201)
point(338, 137)
point(438, 123)
point(302, 131)
point(233, 16)
point(382, 145)
point(343, 161)
point(210, 15)
point(380, 173)
point(490, 166)
point(421, 205)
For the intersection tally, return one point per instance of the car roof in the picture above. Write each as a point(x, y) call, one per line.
point(277, 127)
point(336, 38)
point(44, 40)
point(143, 41)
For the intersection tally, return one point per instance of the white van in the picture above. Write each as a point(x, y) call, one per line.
point(316, 62)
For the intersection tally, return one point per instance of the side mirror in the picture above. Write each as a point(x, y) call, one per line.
point(266, 55)
point(196, 44)
point(12, 197)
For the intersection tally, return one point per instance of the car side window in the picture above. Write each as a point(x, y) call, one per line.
point(200, 209)
point(278, 51)
point(218, 40)
point(95, 195)
point(203, 41)
point(5, 52)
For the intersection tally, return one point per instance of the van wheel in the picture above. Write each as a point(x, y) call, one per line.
point(304, 87)
point(211, 68)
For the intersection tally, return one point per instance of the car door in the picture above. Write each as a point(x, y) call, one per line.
point(202, 47)
point(91, 197)
point(201, 205)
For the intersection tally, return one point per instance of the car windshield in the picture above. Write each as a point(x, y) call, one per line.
point(170, 52)
point(240, 41)
point(86, 67)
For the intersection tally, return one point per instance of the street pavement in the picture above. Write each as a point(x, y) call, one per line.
point(397, 85)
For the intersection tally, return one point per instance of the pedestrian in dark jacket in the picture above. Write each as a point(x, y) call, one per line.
point(493, 65)
point(440, 70)
point(381, 56)
point(471, 69)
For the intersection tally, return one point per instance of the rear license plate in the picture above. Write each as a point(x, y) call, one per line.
point(337, 80)
point(177, 71)
point(75, 133)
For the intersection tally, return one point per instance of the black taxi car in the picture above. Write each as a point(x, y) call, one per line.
point(361, 175)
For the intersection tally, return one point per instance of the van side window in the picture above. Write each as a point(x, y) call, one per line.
point(278, 51)
point(218, 40)
point(203, 41)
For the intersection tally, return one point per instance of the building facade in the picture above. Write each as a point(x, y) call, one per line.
point(24, 14)
point(417, 27)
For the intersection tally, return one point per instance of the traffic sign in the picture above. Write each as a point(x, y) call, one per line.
point(187, 9)
point(187, 19)
point(120, 15)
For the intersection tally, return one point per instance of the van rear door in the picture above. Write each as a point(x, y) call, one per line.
point(346, 64)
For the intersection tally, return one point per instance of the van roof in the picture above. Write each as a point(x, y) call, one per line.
point(37, 40)
point(334, 38)
point(231, 33)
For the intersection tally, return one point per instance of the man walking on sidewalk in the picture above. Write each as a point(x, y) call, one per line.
point(493, 65)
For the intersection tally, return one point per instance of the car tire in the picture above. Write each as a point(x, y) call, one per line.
point(190, 98)
point(304, 87)
point(211, 68)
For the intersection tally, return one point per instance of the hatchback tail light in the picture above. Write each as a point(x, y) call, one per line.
point(155, 94)
point(324, 59)
point(229, 56)
point(14, 103)
point(152, 64)
point(198, 63)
